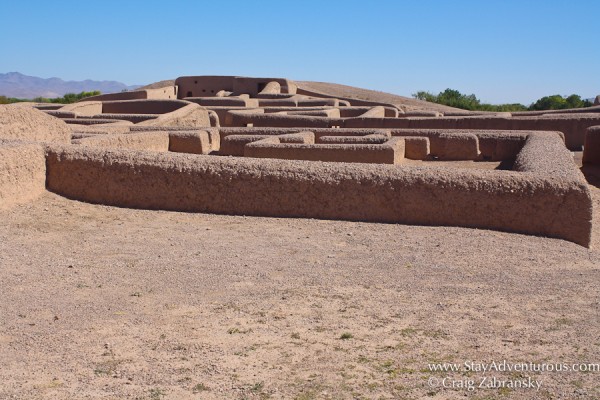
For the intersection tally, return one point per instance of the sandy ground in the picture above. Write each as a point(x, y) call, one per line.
point(102, 302)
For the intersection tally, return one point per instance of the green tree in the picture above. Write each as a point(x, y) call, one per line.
point(73, 98)
point(454, 98)
point(558, 102)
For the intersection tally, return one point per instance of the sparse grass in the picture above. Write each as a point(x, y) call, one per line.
point(200, 387)
point(244, 352)
point(564, 321)
point(157, 394)
point(560, 323)
point(295, 335)
point(257, 387)
point(504, 391)
point(437, 334)
point(346, 336)
point(107, 367)
point(408, 332)
point(310, 395)
point(363, 359)
point(235, 330)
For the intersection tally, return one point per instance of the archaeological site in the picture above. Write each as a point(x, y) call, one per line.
point(272, 147)
point(226, 237)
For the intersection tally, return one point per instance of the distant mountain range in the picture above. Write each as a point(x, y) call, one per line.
point(15, 84)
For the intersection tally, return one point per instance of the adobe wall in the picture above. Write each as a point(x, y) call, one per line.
point(96, 121)
point(242, 119)
point(586, 110)
point(233, 145)
point(165, 93)
point(61, 114)
point(22, 172)
point(390, 152)
point(133, 118)
point(189, 116)
point(543, 154)
point(91, 130)
point(367, 139)
point(194, 142)
point(208, 86)
point(272, 87)
point(88, 108)
point(254, 86)
point(525, 202)
point(221, 113)
point(151, 141)
point(129, 95)
point(142, 106)
point(591, 150)
point(230, 101)
point(346, 112)
point(225, 131)
point(234, 140)
point(573, 126)
point(493, 145)
point(328, 113)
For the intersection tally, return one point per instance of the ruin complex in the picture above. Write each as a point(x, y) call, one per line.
point(273, 147)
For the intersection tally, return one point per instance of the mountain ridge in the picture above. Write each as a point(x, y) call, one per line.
point(16, 84)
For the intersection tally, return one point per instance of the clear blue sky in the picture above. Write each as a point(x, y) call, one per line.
point(502, 51)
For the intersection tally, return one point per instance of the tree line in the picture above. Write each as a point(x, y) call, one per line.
point(66, 99)
point(454, 98)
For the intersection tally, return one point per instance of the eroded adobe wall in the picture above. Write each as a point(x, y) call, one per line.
point(22, 172)
point(525, 202)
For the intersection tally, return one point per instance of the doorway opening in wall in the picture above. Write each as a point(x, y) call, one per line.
point(189, 94)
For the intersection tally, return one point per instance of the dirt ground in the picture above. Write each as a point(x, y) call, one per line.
point(103, 302)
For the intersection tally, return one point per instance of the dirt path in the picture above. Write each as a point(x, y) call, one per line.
point(102, 302)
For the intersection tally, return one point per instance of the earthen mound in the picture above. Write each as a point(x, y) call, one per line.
point(27, 123)
point(159, 85)
point(351, 92)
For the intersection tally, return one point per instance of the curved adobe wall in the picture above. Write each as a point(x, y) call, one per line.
point(525, 202)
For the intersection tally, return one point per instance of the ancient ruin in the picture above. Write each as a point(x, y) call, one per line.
point(271, 147)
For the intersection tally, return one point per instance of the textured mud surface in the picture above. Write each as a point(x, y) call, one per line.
point(103, 302)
